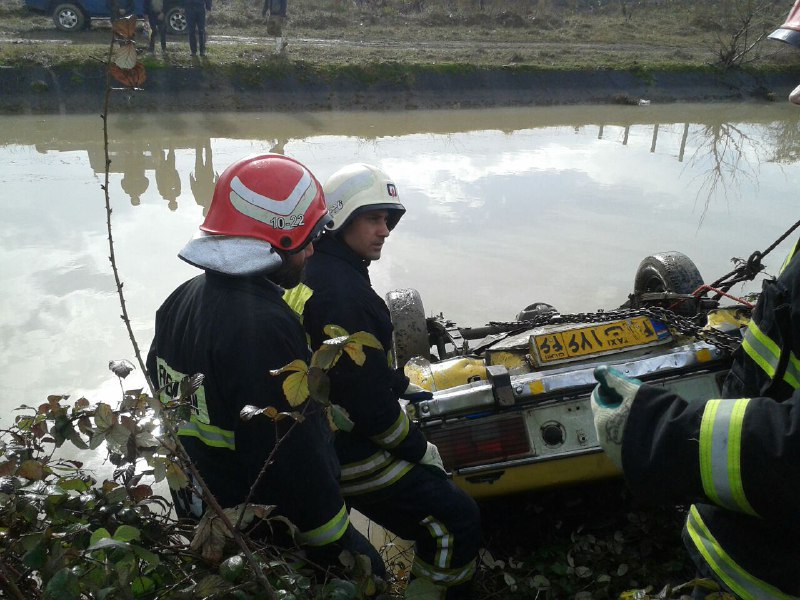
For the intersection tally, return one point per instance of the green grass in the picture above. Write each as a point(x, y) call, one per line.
point(568, 34)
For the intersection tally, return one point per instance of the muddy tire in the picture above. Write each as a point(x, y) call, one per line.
point(410, 337)
point(669, 272)
point(68, 17)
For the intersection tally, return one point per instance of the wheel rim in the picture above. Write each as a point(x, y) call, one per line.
point(178, 22)
point(68, 19)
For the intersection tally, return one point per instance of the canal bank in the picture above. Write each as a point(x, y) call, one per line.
point(287, 87)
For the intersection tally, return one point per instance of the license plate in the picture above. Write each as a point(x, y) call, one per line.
point(595, 340)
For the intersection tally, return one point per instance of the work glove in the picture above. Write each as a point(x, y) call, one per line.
point(415, 393)
point(611, 405)
point(431, 458)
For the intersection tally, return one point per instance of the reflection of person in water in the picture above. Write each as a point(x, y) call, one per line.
point(167, 178)
point(203, 178)
point(134, 181)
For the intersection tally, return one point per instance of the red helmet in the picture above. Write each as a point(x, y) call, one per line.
point(270, 197)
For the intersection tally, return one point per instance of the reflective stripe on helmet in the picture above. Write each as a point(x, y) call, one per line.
point(720, 454)
point(743, 584)
point(270, 197)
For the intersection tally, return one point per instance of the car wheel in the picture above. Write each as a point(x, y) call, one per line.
point(68, 17)
point(176, 21)
point(535, 310)
point(410, 337)
point(669, 272)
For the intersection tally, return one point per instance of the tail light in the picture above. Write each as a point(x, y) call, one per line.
point(482, 441)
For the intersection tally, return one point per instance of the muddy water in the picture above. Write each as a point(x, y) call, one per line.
point(505, 207)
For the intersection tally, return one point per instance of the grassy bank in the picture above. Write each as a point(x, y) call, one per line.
point(553, 34)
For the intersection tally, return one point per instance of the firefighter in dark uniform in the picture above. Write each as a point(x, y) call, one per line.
point(232, 325)
point(738, 458)
point(390, 473)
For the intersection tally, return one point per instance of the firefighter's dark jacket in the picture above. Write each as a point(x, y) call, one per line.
point(234, 330)
point(738, 458)
point(384, 444)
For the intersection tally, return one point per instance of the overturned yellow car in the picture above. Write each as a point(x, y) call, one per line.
point(510, 409)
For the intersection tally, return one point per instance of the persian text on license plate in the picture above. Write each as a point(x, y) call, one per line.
point(592, 340)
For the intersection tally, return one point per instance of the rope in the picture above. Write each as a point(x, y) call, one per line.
point(746, 270)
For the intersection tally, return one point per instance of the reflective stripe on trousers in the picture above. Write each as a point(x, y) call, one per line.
point(328, 532)
point(378, 481)
point(720, 454)
point(729, 572)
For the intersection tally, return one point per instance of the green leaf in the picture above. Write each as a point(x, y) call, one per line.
point(212, 584)
point(145, 439)
point(356, 353)
point(126, 533)
point(366, 339)
point(295, 365)
point(176, 478)
point(334, 331)
point(117, 437)
point(295, 387)
point(73, 483)
point(109, 544)
point(104, 417)
point(319, 385)
point(36, 557)
point(142, 585)
point(423, 589)
point(341, 420)
point(327, 355)
point(64, 585)
point(143, 554)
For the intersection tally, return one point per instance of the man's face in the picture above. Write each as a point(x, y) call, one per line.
point(291, 271)
point(366, 233)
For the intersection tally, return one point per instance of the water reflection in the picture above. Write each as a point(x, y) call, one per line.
point(505, 208)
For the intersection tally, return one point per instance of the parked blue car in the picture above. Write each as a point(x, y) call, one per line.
point(74, 15)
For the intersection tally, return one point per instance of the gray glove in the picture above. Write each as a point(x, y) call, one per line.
point(611, 404)
point(432, 458)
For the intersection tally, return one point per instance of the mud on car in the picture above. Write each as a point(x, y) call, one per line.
point(510, 410)
point(75, 15)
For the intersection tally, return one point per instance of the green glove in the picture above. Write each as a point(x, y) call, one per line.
point(611, 404)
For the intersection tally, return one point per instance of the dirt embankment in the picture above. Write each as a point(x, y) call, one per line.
point(79, 89)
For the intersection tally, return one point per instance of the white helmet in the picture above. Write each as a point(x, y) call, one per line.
point(359, 188)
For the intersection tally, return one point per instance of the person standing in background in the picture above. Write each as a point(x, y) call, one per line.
point(196, 24)
point(154, 9)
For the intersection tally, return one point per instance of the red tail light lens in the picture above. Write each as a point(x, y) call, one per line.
point(481, 441)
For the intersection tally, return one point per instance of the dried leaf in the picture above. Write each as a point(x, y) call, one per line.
point(121, 368)
point(124, 27)
point(31, 469)
point(125, 58)
point(131, 78)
